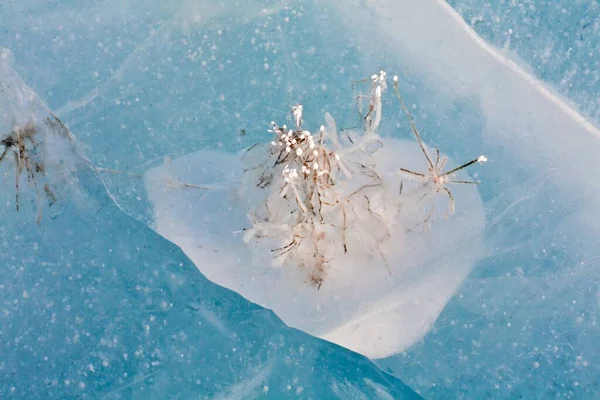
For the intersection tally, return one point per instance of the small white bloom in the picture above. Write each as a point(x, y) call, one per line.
point(298, 151)
point(316, 166)
point(288, 149)
point(482, 159)
point(315, 152)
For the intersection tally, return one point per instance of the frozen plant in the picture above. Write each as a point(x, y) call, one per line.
point(312, 196)
point(305, 167)
point(372, 118)
point(435, 176)
point(321, 192)
point(22, 144)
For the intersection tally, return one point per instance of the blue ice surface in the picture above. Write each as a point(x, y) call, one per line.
point(557, 39)
point(138, 83)
point(95, 304)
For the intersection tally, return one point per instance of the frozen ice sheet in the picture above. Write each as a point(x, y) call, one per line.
point(524, 321)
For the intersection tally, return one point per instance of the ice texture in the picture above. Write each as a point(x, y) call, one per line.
point(94, 304)
point(557, 41)
point(139, 83)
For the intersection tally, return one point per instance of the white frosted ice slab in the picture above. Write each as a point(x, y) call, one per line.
point(361, 305)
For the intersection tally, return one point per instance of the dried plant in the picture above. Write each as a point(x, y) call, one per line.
point(22, 144)
point(305, 202)
point(435, 174)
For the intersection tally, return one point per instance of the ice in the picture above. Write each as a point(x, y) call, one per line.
point(94, 304)
point(524, 320)
point(558, 40)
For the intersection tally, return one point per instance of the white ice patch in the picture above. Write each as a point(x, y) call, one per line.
point(361, 305)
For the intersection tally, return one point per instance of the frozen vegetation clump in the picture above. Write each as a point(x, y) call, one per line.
point(21, 144)
point(26, 146)
point(343, 229)
point(35, 143)
point(323, 194)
